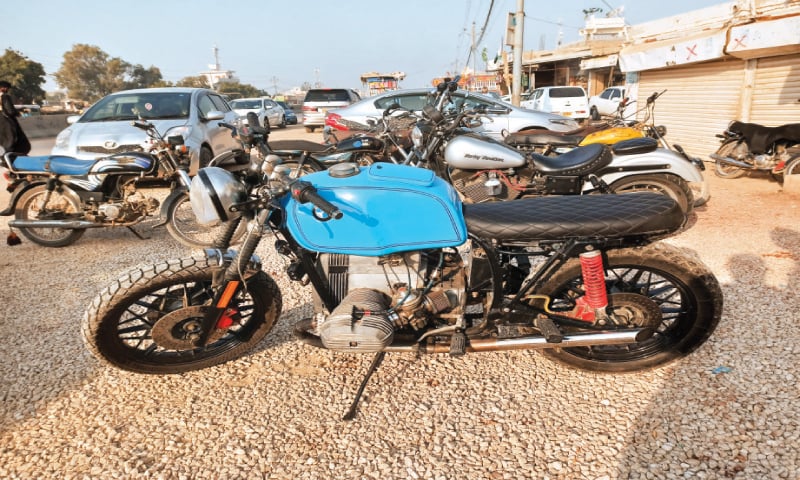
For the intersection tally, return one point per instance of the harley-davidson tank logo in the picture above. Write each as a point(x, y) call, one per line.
point(110, 144)
point(483, 157)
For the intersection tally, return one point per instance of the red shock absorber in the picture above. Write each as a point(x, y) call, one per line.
point(594, 279)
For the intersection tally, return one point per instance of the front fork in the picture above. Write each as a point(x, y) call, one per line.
point(228, 282)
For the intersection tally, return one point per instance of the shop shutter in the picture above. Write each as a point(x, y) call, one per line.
point(776, 96)
point(700, 101)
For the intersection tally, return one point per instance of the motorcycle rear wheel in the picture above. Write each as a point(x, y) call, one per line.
point(183, 226)
point(142, 322)
point(59, 207)
point(665, 184)
point(726, 170)
point(683, 289)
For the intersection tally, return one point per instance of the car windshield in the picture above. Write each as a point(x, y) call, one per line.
point(147, 105)
point(327, 96)
point(568, 92)
point(246, 104)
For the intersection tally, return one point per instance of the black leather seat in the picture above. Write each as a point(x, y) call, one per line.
point(575, 216)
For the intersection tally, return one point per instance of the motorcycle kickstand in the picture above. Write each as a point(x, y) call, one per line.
point(137, 233)
point(376, 362)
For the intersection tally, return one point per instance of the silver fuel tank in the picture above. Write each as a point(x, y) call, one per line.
point(473, 151)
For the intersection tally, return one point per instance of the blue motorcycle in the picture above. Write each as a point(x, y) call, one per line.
point(399, 264)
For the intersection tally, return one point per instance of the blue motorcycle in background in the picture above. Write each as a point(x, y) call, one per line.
point(399, 264)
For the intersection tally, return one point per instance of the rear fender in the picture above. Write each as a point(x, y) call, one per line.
point(23, 187)
point(659, 161)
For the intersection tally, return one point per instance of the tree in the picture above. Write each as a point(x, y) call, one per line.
point(140, 77)
point(25, 75)
point(89, 74)
point(240, 90)
point(194, 82)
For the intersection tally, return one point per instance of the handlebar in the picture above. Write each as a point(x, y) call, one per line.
point(304, 192)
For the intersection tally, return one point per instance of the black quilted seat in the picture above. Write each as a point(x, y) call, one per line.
point(575, 216)
point(298, 146)
point(578, 161)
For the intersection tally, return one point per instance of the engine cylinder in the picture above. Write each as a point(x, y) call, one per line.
point(360, 323)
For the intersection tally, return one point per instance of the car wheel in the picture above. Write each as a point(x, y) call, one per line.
point(310, 129)
point(594, 113)
point(205, 156)
point(283, 122)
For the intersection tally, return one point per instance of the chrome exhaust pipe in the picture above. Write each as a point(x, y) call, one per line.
point(730, 161)
point(608, 337)
point(65, 224)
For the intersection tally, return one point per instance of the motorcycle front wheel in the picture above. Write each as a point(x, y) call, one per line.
point(657, 287)
point(182, 224)
point(31, 206)
point(145, 321)
point(670, 185)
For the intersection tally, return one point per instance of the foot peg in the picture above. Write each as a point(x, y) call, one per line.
point(549, 330)
point(458, 344)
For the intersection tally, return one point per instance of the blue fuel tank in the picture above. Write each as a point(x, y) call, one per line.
point(387, 208)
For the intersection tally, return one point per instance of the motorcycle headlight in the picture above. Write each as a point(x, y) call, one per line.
point(212, 193)
point(416, 136)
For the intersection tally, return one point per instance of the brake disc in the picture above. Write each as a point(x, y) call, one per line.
point(179, 330)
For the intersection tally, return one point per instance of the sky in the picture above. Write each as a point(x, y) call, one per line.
point(276, 45)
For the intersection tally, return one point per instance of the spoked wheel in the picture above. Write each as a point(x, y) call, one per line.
point(182, 224)
point(148, 320)
point(669, 185)
point(59, 207)
point(735, 150)
point(655, 287)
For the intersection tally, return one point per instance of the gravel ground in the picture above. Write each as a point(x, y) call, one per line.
point(727, 411)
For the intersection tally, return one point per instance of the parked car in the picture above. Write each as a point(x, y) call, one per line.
point(105, 128)
point(319, 100)
point(267, 109)
point(606, 103)
point(501, 117)
point(522, 97)
point(291, 118)
point(567, 101)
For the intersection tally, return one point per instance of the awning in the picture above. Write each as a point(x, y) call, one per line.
point(668, 53)
point(761, 39)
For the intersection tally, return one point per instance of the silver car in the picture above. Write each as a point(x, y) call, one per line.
point(501, 118)
point(266, 108)
point(194, 113)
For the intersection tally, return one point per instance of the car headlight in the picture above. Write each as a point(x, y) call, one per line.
point(183, 130)
point(567, 122)
point(212, 193)
point(62, 140)
point(416, 136)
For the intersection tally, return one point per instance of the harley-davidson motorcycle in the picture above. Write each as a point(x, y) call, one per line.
point(751, 147)
point(580, 277)
point(55, 198)
point(483, 169)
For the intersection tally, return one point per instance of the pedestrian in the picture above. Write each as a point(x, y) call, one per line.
point(12, 138)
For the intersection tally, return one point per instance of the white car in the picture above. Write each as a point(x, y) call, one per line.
point(561, 100)
point(266, 108)
point(194, 113)
point(606, 103)
point(501, 118)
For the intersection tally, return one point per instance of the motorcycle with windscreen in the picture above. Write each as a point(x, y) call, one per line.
point(584, 279)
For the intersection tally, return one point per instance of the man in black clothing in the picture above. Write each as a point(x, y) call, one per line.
point(12, 138)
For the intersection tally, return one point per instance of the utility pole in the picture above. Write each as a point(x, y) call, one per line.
point(519, 20)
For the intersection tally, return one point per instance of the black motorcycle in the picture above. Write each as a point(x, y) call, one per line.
point(753, 147)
